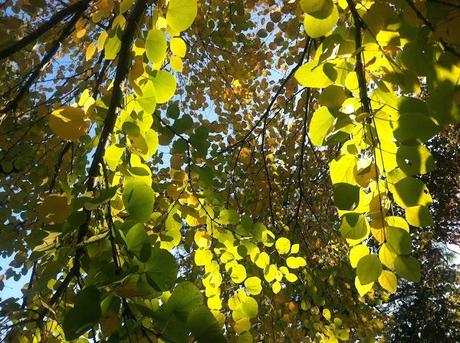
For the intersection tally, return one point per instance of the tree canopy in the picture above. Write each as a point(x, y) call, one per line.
point(212, 171)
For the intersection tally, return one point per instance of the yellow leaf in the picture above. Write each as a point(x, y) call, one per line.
point(262, 260)
point(202, 257)
point(276, 287)
point(388, 281)
point(283, 245)
point(181, 14)
point(253, 285)
point(295, 262)
point(238, 273)
point(356, 253)
point(202, 239)
point(69, 122)
point(176, 64)
point(112, 156)
point(178, 47)
point(362, 289)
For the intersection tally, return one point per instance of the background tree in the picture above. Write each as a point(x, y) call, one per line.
point(428, 311)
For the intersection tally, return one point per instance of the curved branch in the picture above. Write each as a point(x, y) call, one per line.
point(43, 28)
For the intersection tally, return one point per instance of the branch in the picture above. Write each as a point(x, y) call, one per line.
point(11, 106)
point(43, 28)
point(272, 102)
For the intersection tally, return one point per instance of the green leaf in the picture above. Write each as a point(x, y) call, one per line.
point(346, 196)
point(181, 14)
point(320, 125)
point(408, 267)
point(314, 75)
point(415, 159)
point(161, 269)
point(148, 99)
point(155, 46)
point(137, 241)
point(309, 6)
point(138, 198)
point(203, 326)
point(399, 240)
point(228, 217)
point(415, 127)
point(368, 269)
point(85, 313)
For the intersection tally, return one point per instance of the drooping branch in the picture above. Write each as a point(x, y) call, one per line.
point(11, 106)
point(120, 75)
point(43, 28)
point(109, 123)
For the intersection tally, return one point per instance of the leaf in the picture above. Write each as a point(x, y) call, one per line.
point(165, 86)
point(253, 285)
point(388, 281)
point(283, 245)
point(238, 273)
point(368, 269)
point(137, 239)
point(148, 99)
point(362, 289)
point(202, 257)
point(228, 217)
point(295, 262)
point(112, 156)
point(69, 122)
point(387, 256)
point(155, 46)
point(181, 14)
point(399, 240)
point(320, 125)
point(84, 315)
point(317, 25)
point(113, 43)
point(161, 269)
point(415, 127)
point(314, 75)
point(354, 227)
point(178, 47)
point(203, 326)
point(309, 6)
point(408, 267)
point(346, 196)
point(411, 192)
point(415, 160)
point(357, 252)
point(54, 209)
point(138, 198)
point(419, 216)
